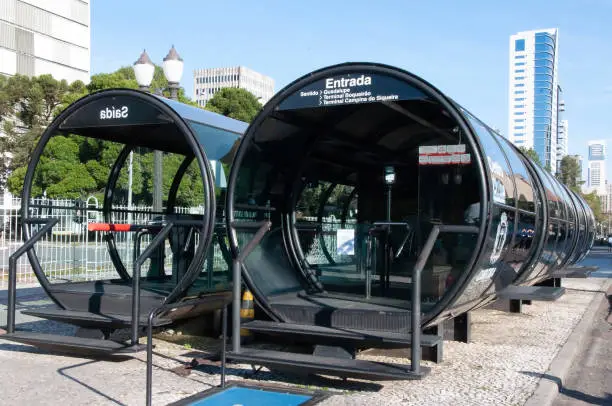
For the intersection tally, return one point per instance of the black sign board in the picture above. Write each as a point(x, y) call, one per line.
point(351, 88)
point(115, 111)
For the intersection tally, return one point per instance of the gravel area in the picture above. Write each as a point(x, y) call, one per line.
point(501, 366)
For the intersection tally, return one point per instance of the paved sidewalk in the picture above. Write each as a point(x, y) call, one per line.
point(502, 366)
point(590, 382)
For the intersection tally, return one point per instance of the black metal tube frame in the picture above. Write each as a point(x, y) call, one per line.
point(157, 311)
point(12, 283)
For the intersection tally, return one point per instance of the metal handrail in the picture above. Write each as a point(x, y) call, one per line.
point(12, 283)
point(415, 353)
point(262, 228)
point(158, 310)
point(157, 240)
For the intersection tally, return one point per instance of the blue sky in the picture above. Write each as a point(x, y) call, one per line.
point(461, 47)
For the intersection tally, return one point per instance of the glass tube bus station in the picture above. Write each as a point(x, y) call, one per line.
point(360, 207)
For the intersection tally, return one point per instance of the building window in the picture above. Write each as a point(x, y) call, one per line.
point(519, 64)
point(519, 45)
point(519, 71)
point(519, 92)
point(519, 106)
point(517, 99)
point(519, 57)
point(519, 127)
point(519, 113)
point(519, 77)
point(519, 85)
point(519, 120)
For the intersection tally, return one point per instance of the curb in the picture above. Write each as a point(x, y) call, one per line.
point(554, 377)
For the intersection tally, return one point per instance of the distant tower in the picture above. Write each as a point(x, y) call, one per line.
point(596, 178)
point(533, 93)
point(207, 82)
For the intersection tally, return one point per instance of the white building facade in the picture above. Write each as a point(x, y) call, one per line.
point(206, 82)
point(45, 37)
point(596, 176)
point(533, 93)
point(562, 140)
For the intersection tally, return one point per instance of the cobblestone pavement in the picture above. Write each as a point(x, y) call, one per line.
point(501, 366)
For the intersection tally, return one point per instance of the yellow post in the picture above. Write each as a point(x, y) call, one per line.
point(247, 313)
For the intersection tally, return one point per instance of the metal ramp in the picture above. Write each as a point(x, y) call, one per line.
point(336, 335)
point(575, 272)
point(69, 344)
point(91, 320)
point(336, 361)
point(341, 367)
point(535, 293)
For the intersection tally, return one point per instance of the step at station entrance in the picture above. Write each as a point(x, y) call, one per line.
point(168, 262)
point(365, 206)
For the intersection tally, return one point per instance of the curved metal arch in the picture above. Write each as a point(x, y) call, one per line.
point(450, 106)
point(195, 146)
point(107, 208)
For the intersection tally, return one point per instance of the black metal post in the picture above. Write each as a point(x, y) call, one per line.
point(157, 181)
point(236, 305)
point(150, 357)
point(159, 238)
point(415, 364)
point(12, 283)
point(223, 345)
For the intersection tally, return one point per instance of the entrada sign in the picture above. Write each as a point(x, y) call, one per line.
point(112, 112)
point(350, 88)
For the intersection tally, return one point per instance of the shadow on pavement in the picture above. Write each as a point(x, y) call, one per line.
point(62, 372)
point(574, 394)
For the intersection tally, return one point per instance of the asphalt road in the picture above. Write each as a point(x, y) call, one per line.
point(590, 382)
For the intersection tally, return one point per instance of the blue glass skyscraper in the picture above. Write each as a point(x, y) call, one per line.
point(533, 97)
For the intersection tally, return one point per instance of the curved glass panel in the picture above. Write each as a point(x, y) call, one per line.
point(493, 266)
point(522, 178)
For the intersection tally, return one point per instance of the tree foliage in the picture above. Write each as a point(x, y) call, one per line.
point(531, 154)
point(594, 201)
point(236, 103)
point(27, 106)
point(569, 173)
point(72, 166)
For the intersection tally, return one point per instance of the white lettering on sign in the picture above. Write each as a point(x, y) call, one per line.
point(362, 80)
point(112, 112)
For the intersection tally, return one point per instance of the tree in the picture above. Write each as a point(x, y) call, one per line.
point(531, 154)
point(27, 106)
point(71, 166)
point(236, 103)
point(594, 201)
point(569, 173)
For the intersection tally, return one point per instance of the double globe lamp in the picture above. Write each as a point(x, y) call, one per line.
point(144, 69)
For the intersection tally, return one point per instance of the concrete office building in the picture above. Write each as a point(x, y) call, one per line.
point(45, 37)
point(596, 177)
point(533, 93)
point(206, 82)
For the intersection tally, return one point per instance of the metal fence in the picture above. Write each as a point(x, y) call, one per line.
point(70, 252)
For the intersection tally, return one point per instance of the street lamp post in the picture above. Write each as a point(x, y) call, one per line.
point(144, 71)
point(173, 70)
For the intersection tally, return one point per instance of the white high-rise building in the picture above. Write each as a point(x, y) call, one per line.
point(562, 140)
point(533, 93)
point(206, 82)
point(596, 177)
point(45, 37)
